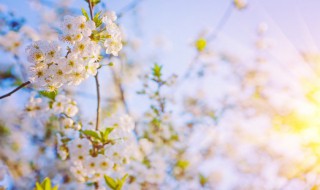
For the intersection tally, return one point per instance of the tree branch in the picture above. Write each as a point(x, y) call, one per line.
point(90, 9)
point(15, 90)
point(98, 101)
point(96, 78)
point(96, 184)
point(223, 20)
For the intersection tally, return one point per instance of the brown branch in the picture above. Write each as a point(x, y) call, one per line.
point(98, 101)
point(96, 77)
point(96, 184)
point(15, 90)
point(91, 9)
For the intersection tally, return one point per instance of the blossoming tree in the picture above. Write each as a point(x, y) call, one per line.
point(247, 139)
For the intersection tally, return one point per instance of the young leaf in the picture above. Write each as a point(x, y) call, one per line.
point(183, 164)
point(156, 70)
point(115, 184)
point(4, 131)
point(84, 13)
point(107, 132)
point(122, 181)
point(45, 185)
point(38, 187)
point(110, 182)
point(101, 134)
point(51, 95)
point(97, 20)
point(91, 133)
point(203, 180)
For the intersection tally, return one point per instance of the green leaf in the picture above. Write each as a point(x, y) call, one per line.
point(97, 19)
point(84, 13)
point(107, 132)
point(146, 162)
point(156, 122)
point(201, 44)
point(115, 184)
point(183, 164)
point(91, 133)
point(110, 182)
point(174, 137)
point(4, 131)
point(156, 70)
point(101, 134)
point(122, 181)
point(51, 95)
point(203, 180)
point(38, 187)
point(45, 185)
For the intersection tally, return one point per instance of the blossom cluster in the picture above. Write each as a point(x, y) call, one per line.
point(91, 157)
point(66, 105)
point(91, 153)
point(53, 67)
point(37, 106)
point(113, 39)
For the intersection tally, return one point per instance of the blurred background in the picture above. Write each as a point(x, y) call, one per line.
point(245, 92)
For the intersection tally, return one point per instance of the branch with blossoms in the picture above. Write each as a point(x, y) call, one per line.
point(51, 69)
point(203, 143)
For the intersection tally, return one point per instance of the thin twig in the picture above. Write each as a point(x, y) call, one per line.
point(225, 17)
point(118, 83)
point(96, 77)
point(128, 8)
point(189, 70)
point(15, 90)
point(98, 101)
point(90, 9)
point(96, 184)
